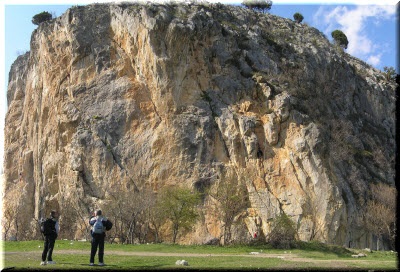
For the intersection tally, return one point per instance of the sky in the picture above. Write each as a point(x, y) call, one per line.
point(370, 27)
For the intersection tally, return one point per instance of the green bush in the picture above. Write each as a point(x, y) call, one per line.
point(258, 5)
point(298, 17)
point(390, 73)
point(340, 38)
point(41, 17)
point(178, 205)
point(283, 233)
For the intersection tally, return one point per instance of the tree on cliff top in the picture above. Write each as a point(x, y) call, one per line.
point(390, 73)
point(258, 5)
point(298, 17)
point(340, 38)
point(41, 17)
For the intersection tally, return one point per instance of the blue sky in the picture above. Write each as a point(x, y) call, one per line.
point(370, 29)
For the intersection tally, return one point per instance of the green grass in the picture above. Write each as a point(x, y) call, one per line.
point(25, 255)
point(170, 248)
point(81, 262)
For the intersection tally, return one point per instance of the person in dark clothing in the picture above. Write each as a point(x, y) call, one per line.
point(99, 226)
point(50, 230)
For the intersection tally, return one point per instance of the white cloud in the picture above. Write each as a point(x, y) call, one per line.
point(354, 22)
point(374, 59)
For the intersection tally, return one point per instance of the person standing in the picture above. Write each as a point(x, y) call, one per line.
point(100, 225)
point(50, 229)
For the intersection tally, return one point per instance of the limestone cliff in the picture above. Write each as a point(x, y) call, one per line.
point(155, 95)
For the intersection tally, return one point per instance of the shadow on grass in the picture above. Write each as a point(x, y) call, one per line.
point(98, 266)
point(307, 246)
point(318, 246)
point(113, 267)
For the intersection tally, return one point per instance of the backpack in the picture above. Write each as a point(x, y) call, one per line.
point(47, 226)
point(98, 226)
point(108, 225)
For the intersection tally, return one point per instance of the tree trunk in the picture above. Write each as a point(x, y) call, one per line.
point(377, 242)
point(175, 233)
point(227, 235)
point(156, 236)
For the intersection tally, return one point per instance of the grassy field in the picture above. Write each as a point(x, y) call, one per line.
point(75, 255)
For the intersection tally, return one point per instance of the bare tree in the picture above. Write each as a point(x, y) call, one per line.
point(380, 217)
point(129, 209)
point(157, 218)
point(7, 219)
point(137, 218)
point(75, 214)
point(14, 220)
point(145, 206)
point(119, 206)
point(229, 199)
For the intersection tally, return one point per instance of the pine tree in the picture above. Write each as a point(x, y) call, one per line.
point(41, 17)
point(340, 38)
point(298, 17)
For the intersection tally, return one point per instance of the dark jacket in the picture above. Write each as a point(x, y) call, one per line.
point(53, 228)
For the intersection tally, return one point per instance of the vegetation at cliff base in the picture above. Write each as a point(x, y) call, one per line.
point(179, 207)
point(381, 218)
point(283, 233)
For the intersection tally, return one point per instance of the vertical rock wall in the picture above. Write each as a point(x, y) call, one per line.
point(156, 95)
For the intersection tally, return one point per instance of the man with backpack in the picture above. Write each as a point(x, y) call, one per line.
point(50, 229)
point(99, 225)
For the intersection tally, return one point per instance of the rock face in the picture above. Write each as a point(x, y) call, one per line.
point(155, 95)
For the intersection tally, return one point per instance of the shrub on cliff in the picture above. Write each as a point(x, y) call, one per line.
point(340, 38)
point(258, 5)
point(390, 73)
point(41, 17)
point(298, 17)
